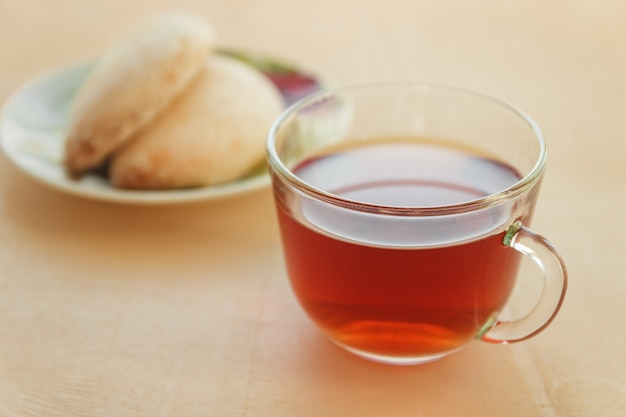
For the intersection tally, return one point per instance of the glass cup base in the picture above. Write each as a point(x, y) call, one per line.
point(396, 360)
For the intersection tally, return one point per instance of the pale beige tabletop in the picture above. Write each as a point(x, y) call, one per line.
point(122, 310)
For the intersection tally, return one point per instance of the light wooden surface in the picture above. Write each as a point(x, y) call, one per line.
point(111, 310)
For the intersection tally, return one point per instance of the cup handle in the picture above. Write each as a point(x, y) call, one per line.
point(546, 257)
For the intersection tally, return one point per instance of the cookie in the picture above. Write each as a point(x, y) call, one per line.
point(132, 84)
point(213, 133)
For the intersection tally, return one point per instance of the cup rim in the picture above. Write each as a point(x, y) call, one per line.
point(520, 187)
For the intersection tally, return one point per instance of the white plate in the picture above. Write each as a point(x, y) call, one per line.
point(34, 119)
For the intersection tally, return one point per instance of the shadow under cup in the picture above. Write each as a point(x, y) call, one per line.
point(403, 210)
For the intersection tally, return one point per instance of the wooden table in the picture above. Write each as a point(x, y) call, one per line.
point(122, 310)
